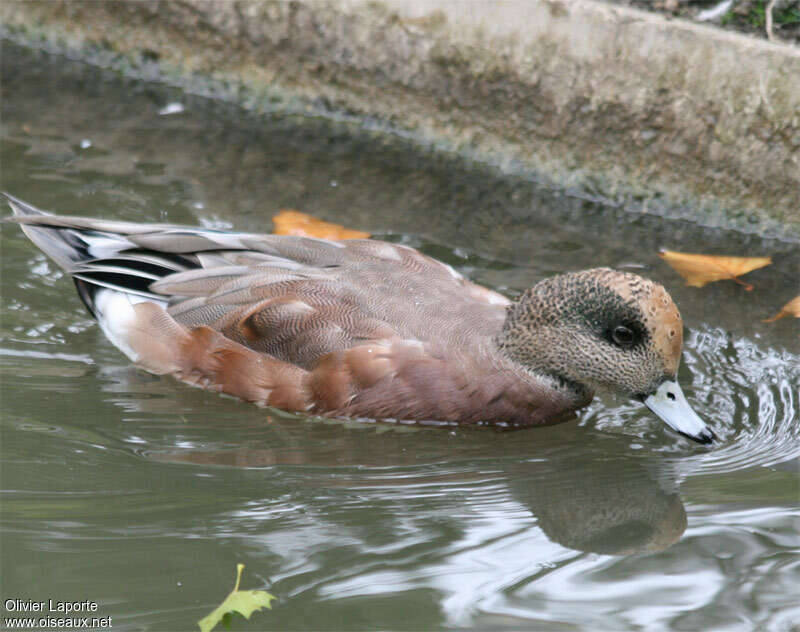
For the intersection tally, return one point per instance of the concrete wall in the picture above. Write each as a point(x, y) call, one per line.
point(684, 119)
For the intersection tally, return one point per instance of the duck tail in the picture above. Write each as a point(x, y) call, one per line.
point(97, 254)
point(115, 264)
point(64, 247)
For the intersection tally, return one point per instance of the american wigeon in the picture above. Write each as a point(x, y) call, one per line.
point(363, 328)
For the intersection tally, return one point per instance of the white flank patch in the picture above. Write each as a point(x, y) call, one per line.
point(115, 316)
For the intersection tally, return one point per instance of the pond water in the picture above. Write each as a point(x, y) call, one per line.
point(142, 494)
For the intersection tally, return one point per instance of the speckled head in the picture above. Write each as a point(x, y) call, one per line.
point(602, 328)
point(656, 310)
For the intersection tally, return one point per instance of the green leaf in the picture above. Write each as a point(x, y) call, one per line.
point(245, 602)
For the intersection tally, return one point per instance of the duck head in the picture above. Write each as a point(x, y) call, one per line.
point(604, 329)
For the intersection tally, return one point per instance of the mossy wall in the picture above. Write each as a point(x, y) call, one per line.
point(666, 116)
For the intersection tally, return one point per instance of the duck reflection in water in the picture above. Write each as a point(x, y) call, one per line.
point(598, 496)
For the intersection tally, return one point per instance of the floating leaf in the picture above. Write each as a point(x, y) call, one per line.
point(245, 602)
point(792, 308)
point(289, 222)
point(701, 269)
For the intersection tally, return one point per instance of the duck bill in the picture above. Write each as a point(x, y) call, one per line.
point(669, 403)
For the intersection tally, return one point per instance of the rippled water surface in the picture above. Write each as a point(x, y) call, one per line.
point(142, 494)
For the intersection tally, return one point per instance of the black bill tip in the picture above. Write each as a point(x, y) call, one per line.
point(705, 436)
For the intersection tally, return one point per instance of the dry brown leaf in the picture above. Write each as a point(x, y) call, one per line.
point(701, 269)
point(289, 222)
point(792, 308)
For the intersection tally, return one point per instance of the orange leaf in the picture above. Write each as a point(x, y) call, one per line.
point(792, 308)
point(289, 222)
point(701, 269)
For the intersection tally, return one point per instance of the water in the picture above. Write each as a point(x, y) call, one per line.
point(142, 494)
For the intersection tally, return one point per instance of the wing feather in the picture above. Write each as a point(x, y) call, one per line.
point(250, 286)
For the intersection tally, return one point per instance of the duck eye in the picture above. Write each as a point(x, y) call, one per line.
point(622, 336)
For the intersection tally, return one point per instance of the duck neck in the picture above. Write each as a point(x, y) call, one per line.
point(523, 336)
point(530, 340)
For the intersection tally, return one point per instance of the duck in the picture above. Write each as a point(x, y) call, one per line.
point(367, 329)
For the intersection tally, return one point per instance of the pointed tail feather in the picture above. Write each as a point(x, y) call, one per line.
point(97, 253)
point(63, 247)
